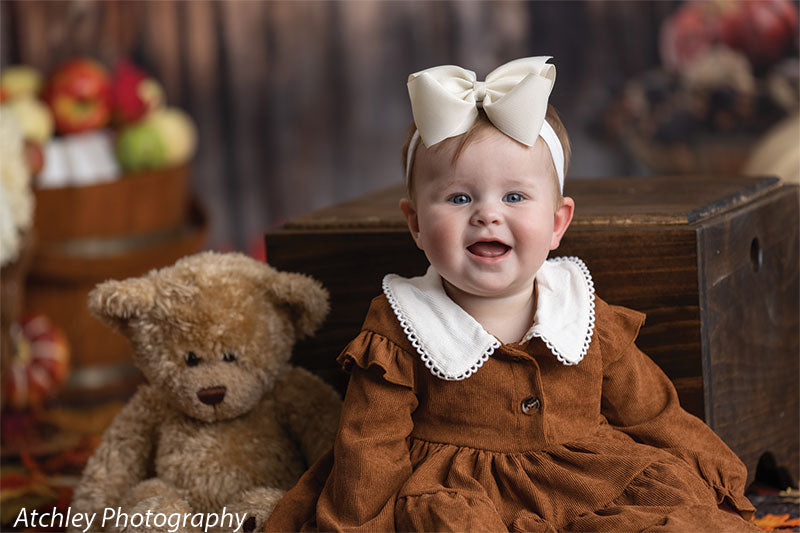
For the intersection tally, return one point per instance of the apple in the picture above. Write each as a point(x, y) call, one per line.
point(33, 116)
point(687, 34)
point(134, 93)
point(763, 29)
point(18, 81)
point(79, 95)
point(178, 134)
point(139, 146)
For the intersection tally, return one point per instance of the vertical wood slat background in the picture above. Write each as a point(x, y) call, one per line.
point(301, 105)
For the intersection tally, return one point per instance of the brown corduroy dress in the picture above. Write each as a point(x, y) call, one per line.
point(525, 444)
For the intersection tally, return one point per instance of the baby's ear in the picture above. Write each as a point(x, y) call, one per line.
point(305, 298)
point(115, 303)
point(410, 212)
point(561, 220)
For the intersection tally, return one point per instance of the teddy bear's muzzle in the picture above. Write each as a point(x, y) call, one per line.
point(211, 395)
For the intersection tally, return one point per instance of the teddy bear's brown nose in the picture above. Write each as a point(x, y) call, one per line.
point(211, 395)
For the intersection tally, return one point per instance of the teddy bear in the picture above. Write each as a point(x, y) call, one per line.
point(223, 420)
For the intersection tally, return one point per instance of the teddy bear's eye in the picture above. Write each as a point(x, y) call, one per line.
point(192, 359)
point(229, 357)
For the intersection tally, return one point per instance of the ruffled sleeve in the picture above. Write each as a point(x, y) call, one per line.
point(371, 457)
point(372, 350)
point(656, 418)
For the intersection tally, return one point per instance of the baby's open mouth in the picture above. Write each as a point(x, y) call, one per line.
point(488, 248)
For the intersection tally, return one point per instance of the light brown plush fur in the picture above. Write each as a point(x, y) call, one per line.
point(167, 451)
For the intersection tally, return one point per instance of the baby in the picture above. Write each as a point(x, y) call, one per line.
point(496, 392)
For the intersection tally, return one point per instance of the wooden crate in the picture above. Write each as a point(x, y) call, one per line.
point(713, 262)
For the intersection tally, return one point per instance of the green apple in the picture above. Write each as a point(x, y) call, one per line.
point(140, 147)
point(33, 116)
point(177, 131)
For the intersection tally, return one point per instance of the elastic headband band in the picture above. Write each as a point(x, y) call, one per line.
point(547, 134)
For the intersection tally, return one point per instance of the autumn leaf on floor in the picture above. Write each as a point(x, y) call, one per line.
point(771, 522)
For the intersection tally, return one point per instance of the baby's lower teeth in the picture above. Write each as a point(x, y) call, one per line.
point(488, 249)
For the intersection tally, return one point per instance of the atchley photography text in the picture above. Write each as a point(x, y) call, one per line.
point(119, 519)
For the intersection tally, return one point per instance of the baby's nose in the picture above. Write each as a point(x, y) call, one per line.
point(485, 214)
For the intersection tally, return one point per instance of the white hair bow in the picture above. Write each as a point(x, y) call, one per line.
point(445, 101)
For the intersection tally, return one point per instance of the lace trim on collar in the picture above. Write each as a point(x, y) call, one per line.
point(535, 332)
point(409, 330)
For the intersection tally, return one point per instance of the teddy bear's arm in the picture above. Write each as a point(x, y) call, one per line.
point(310, 409)
point(124, 455)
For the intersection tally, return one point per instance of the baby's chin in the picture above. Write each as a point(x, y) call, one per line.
point(487, 288)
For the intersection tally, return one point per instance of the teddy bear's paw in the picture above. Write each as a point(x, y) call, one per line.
point(164, 523)
point(159, 495)
point(149, 498)
point(162, 517)
point(255, 506)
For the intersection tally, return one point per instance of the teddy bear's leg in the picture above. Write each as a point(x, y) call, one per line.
point(157, 497)
point(311, 409)
point(257, 504)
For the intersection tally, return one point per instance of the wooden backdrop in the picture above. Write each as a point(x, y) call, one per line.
point(302, 105)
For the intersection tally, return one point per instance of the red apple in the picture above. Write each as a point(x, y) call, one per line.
point(761, 29)
point(687, 34)
point(79, 94)
point(134, 92)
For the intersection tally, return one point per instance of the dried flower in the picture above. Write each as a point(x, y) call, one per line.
point(16, 195)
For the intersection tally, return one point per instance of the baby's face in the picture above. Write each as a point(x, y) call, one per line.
point(488, 223)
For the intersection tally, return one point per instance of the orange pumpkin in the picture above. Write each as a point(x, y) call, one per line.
point(39, 365)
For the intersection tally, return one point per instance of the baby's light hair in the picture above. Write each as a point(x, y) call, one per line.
point(481, 125)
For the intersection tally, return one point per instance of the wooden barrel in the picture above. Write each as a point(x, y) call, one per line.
point(87, 235)
point(137, 204)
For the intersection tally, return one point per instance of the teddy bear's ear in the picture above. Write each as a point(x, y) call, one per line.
point(305, 297)
point(116, 302)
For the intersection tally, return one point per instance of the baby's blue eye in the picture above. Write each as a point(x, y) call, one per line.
point(513, 197)
point(459, 199)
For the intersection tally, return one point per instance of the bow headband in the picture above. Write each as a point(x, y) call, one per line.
point(445, 102)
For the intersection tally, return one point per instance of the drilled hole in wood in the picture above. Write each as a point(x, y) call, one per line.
point(756, 255)
point(771, 474)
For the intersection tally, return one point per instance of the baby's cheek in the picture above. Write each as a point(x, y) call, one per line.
point(439, 243)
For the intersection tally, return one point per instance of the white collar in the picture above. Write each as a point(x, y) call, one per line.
point(453, 345)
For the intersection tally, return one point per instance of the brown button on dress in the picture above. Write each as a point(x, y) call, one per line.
point(526, 443)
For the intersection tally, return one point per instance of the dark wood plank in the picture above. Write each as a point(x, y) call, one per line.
point(652, 270)
point(750, 267)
